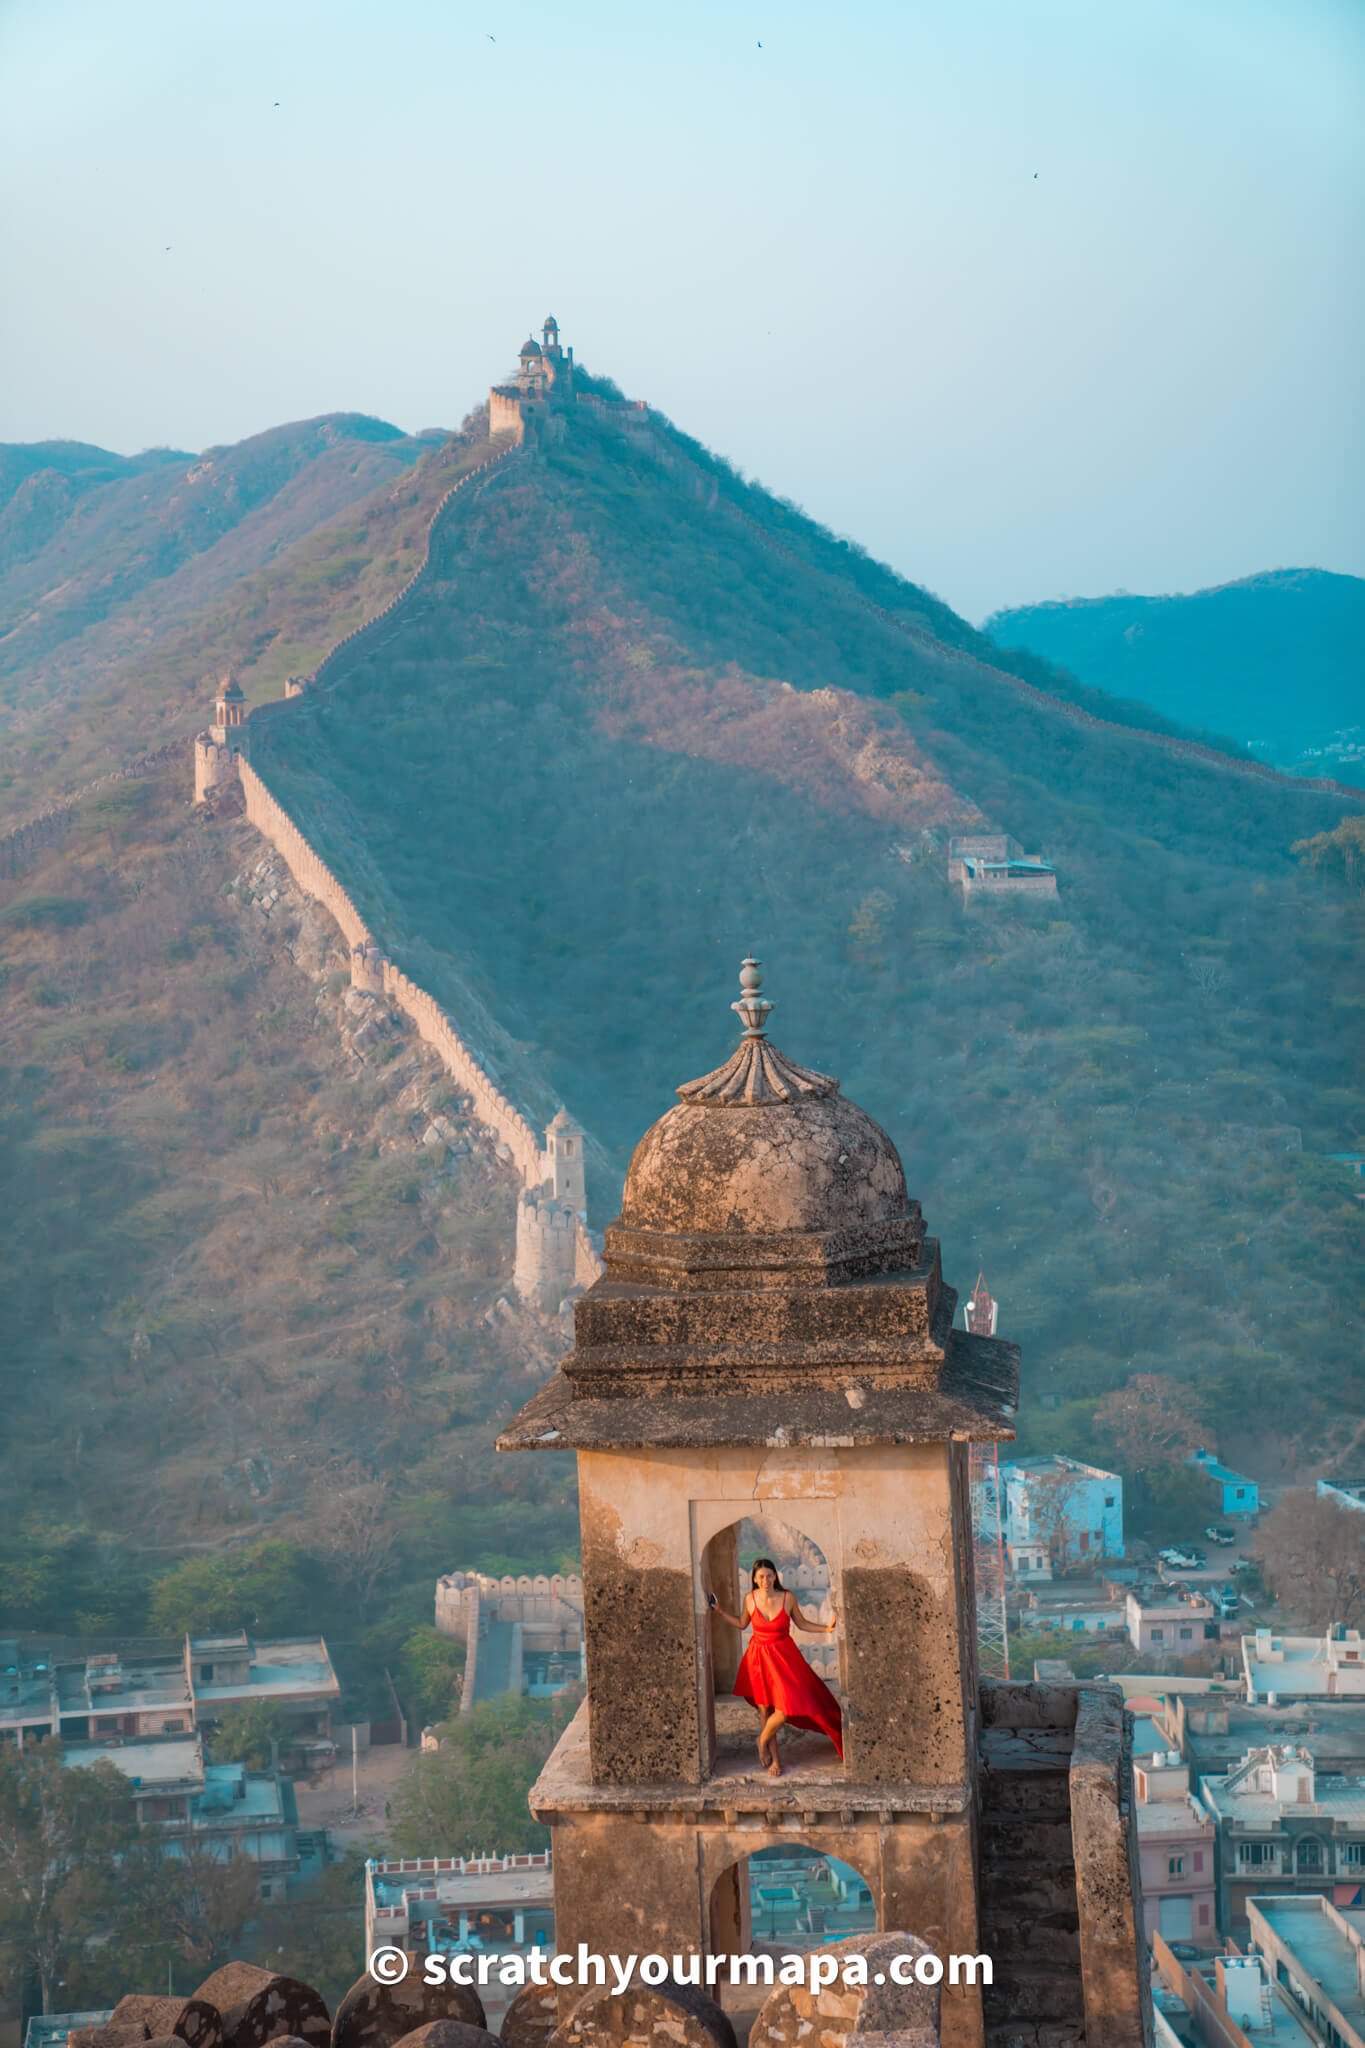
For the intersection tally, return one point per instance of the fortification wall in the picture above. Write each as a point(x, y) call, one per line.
point(19, 845)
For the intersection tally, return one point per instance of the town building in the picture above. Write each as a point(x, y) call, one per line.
point(1283, 1827)
point(981, 1311)
point(1177, 1852)
point(224, 1809)
point(1073, 1607)
point(443, 1905)
point(990, 865)
point(1316, 1952)
point(1059, 1514)
point(1237, 1495)
point(149, 1690)
point(1172, 1621)
point(1326, 1667)
point(1214, 1730)
point(772, 1341)
point(1225, 2001)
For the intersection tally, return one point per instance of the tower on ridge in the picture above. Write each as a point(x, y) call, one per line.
point(544, 372)
point(216, 751)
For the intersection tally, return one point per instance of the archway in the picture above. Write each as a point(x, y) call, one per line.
point(784, 1899)
point(726, 1567)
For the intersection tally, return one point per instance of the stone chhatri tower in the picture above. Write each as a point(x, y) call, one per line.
point(772, 1338)
point(548, 1217)
point(216, 751)
point(544, 371)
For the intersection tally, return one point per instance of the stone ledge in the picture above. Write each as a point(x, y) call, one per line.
point(806, 1796)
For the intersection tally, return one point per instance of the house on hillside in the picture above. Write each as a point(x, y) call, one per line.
point(1237, 1495)
point(990, 865)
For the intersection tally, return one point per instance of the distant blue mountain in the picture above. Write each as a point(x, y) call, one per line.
point(1276, 661)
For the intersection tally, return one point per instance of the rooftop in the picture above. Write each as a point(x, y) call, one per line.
point(1325, 1940)
point(297, 1665)
point(167, 1763)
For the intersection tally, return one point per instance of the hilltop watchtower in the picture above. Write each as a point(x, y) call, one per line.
point(215, 751)
point(544, 371)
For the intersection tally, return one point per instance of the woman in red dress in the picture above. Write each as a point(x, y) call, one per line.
point(773, 1675)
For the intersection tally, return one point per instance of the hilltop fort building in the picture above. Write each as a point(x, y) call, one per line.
point(772, 1338)
point(544, 369)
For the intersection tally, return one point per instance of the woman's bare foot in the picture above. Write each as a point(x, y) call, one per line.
point(763, 1756)
point(775, 1768)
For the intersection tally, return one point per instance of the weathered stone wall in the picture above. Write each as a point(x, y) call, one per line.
point(19, 845)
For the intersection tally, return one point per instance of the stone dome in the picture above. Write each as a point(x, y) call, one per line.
point(822, 1165)
point(763, 1174)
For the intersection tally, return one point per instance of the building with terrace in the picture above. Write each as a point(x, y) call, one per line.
point(990, 865)
point(1177, 1852)
point(430, 1905)
point(147, 1690)
point(1326, 1667)
point(1285, 1827)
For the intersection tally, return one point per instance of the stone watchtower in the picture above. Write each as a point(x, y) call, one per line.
point(216, 751)
point(771, 1338)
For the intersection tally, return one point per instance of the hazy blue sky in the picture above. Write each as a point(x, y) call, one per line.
point(829, 256)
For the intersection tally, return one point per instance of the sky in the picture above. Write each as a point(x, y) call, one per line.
point(1032, 300)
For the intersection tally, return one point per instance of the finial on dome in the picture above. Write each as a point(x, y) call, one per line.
point(753, 1008)
point(756, 1073)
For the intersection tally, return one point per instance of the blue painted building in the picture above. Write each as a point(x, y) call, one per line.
point(1237, 1493)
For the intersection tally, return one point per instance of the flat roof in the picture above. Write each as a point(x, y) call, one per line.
point(466, 1888)
point(1333, 1799)
point(158, 1761)
point(297, 1665)
point(1318, 1942)
point(1156, 1817)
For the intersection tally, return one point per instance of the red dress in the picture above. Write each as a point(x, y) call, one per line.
point(773, 1673)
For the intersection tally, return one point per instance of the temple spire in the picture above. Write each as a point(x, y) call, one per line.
point(756, 1074)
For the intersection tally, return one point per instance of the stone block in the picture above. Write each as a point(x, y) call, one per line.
point(449, 2034)
point(260, 2005)
point(643, 2017)
point(531, 2018)
point(890, 2015)
point(192, 2020)
point(375, 2015)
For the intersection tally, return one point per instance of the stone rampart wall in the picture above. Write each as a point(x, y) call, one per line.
point(22, 842)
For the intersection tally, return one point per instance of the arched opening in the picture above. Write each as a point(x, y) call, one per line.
point(726, 1569)
point(784, 1899)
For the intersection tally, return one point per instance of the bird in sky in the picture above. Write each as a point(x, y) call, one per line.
point(492, 39)
point(1035, 174)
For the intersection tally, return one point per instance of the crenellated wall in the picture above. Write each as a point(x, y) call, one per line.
point(21, 842)
point(579, 1261)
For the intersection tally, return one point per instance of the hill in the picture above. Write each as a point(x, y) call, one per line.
point(641, 717)
point(1273, 660)
point(234, 1280)
point(124, 584)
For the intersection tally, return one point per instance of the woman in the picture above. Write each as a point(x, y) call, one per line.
point(773, 1675)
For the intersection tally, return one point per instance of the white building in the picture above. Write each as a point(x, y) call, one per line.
point(431, 1905)
point(1343, 1493)
point(1059, 1513)
point(1305, 1667)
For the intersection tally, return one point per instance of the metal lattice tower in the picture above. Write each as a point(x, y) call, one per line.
point(988, 1561)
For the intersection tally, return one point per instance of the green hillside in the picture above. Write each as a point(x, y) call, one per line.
point(1275, 660)
point(643, 718)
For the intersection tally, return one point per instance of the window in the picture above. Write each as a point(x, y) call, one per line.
point(1186, 1634)
point(1199, 1859)
point(1158, 1635)
point(1203, 1914)
point(1109, 1500)
point(1175, 1865)
point(1240, 1493)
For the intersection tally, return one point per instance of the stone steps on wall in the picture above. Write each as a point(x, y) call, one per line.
point(1030, 1924)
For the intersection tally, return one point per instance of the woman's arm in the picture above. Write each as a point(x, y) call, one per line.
point(740, 1620)
point(800, 1620)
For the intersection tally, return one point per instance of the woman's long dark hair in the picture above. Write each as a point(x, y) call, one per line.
point(759, 1562)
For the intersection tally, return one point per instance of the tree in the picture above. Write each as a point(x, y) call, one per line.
point(1050, 1513)
point(1339, 854)
point(357, 1532)
point(430, 1667)
point(62, 1832)
point(471, 1793)
point(245, 1734)
point(1150, 1420)
point(1312, 1552)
